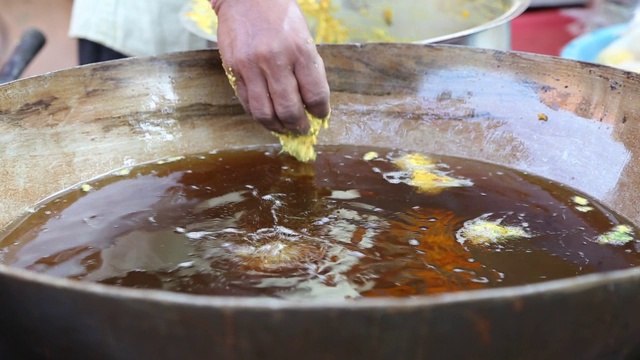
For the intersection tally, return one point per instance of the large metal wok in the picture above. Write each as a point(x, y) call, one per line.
point(59, 129)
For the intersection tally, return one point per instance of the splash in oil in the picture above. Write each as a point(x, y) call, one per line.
point(358, 222)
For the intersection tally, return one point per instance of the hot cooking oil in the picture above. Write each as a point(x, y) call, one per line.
point(358, 222)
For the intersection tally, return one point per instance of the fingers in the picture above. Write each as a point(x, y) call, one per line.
point(238, 85)
point(259, 101)
point(313, 86)
point(268, 90)
point(287, 102)
point(276, 88)
point(291, 89)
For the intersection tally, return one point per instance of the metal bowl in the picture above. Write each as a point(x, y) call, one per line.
point(480, 23)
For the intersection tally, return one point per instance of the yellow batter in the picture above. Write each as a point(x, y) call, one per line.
point(298, 146)
point(301, 146)
point(481, 231)
point(423, 173)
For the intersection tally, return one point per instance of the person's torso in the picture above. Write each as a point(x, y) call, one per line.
point(134, 28)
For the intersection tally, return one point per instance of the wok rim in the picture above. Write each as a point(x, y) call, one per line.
point(552, 287)
point(547, 288)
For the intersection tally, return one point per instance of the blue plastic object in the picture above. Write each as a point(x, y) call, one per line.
point(588, 46)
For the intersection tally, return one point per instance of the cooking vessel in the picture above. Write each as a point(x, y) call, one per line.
point(480, 23)
point(59, 129)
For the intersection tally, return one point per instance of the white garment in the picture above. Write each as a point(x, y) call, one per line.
point(133, 27)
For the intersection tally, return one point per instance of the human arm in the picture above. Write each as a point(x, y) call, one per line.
point(267, 46)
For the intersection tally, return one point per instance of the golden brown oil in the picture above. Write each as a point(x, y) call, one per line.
point(252, 222)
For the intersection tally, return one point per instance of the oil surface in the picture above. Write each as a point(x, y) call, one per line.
point(354, 223)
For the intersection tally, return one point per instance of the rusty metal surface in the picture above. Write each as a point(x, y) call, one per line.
point(59, 129)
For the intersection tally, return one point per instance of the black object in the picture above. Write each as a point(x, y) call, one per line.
point(90, 52)
point(30, 44)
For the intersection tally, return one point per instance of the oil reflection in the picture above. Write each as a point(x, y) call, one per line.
point(505, 128)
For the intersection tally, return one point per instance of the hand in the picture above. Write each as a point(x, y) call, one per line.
point(267, 46)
